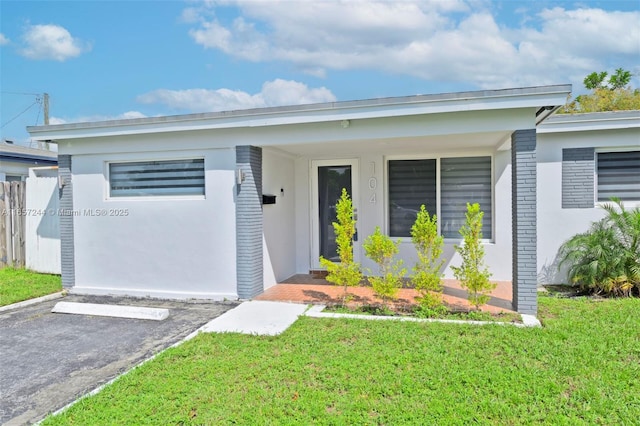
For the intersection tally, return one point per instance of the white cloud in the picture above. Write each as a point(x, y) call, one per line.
point(273, 93)
point(90, 118)
point(3, 40)
point(53, 42)
point(440, 40)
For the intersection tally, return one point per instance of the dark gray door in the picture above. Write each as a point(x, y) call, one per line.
point(331, 180)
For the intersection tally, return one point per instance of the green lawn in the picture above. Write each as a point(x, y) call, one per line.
point(582, 367)
point(17, 285)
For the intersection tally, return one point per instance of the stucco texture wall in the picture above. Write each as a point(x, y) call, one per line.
point(156, 246)
point(555, 223)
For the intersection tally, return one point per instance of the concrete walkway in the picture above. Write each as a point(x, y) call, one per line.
point(257, 317)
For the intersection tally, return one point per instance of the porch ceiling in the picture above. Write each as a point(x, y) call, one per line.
point(399, 146)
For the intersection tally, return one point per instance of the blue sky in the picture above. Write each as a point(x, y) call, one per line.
point(117, 59)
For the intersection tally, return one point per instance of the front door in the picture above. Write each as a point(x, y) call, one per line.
point(328, 179)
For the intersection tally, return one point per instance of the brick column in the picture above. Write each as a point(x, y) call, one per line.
point(523, 206)
point(67, 248)
point(249, 266)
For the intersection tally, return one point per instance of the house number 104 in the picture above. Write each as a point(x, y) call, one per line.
point(373, 184)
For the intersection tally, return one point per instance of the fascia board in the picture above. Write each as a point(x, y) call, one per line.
point(306, 115)
point(562, 124)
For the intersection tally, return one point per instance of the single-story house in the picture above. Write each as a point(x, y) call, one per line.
point(583, 161)
point(226, 204)
point(16, 160)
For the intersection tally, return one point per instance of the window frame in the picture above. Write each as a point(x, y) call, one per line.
point(150, 197)
point(438, 157)
point(605, 150)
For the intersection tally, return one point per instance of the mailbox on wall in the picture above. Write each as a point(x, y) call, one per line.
point(268, 199)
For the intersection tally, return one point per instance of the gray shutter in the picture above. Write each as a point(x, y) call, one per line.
point(411, 184)
point(464, 180)
point(147, 178)
point(619, 175)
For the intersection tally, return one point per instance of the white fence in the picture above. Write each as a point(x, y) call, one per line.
point(42, 224)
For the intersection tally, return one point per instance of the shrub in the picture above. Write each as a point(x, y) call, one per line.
point(346, 272)
point(473, 273)
point(381, 249)
point(427, 278)
point(606, 258)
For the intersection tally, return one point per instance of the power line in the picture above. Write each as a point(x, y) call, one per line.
point(25, 110)
point(20, 93)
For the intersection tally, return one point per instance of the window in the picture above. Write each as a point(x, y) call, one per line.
point(411, 184)
point(157, 178)
point(462, 180)
point(619, 175)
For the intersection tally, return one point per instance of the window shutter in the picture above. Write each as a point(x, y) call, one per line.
point(411, 184)
point(464, 180)
point(619, 175)
point(149, 178)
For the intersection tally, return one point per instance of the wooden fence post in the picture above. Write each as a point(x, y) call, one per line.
point(4, 223)
point(12, 224)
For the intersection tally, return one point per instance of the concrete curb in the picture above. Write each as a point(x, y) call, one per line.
point(316, 312)
point(30, 302)
point(117, 311)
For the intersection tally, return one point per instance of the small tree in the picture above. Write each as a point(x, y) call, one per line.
point(608, 93)
point(473, 273)
point(381, 249)
point(346, 272)
point(427, 278)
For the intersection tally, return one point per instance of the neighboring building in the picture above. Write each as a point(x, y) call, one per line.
point(15, 160)
point(173, 206)
point(583, 161)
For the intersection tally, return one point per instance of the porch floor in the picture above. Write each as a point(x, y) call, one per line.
point(302, 288)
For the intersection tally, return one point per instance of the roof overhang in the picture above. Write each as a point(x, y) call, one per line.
point(545, 100)
point(26, 158)
point(591, 121)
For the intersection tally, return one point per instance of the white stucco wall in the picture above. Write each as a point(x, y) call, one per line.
point(370, 215)
point(169, 247)
point(42, 227)
point(555, 224)
point(154, 246)
point(279, 218)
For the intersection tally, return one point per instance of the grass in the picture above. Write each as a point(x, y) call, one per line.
point(17, 285)
point(582, 367)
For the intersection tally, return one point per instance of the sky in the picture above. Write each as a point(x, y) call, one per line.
point(101, 60)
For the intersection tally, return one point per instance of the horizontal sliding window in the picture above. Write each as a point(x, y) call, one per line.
point(619, 175)
point(157, 178)
point(462, 180)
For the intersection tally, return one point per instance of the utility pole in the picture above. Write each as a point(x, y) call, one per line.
point(46, 109)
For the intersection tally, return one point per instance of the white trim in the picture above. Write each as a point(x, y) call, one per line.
point(316, 311)
point(560, 123)
point(530, 97)
point(355, 199)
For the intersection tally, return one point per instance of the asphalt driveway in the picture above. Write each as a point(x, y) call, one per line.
point(49, 360)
